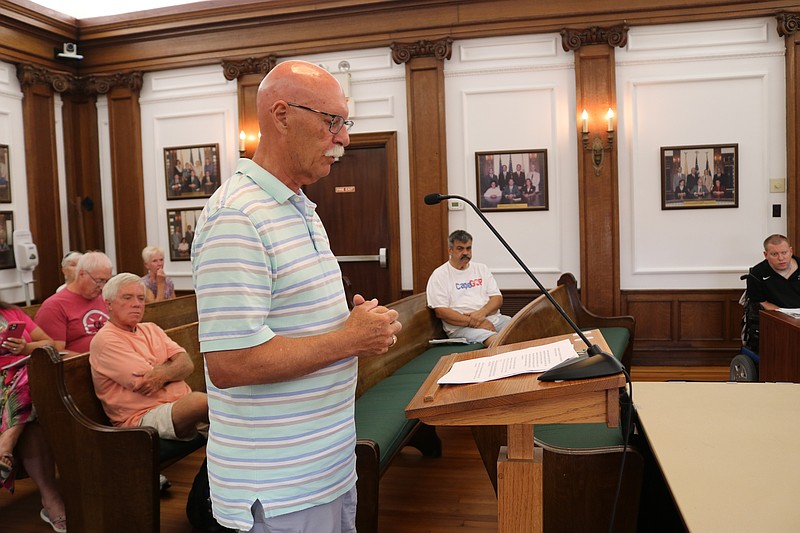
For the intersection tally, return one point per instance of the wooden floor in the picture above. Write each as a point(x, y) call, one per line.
point(418, 495)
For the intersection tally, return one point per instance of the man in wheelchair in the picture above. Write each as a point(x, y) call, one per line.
point(771, 284)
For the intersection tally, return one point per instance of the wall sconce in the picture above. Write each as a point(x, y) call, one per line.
point(244, 138)
point(597, 147)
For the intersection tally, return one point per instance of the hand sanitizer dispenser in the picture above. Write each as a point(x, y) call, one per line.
point(27, 258)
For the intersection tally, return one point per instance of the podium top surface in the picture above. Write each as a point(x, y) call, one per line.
point(521, 399)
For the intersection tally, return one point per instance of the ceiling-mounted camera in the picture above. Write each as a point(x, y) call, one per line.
point(70, 51)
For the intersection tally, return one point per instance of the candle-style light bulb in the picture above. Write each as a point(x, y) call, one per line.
point(610, 116)
point(242, 137)
point(585, 122)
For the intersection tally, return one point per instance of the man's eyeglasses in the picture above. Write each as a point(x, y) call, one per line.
point(99, 282)
point(337, 121)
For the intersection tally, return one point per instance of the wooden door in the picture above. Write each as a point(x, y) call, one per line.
point(358, 203)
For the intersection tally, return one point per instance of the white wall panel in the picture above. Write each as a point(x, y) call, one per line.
point(728, 88)
point(510, 94)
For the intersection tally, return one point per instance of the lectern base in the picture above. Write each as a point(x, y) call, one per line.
point(519, 493)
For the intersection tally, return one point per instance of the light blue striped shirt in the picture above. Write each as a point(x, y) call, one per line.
point(263, 267)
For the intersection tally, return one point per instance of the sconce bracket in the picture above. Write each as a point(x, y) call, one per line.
point(598, 149)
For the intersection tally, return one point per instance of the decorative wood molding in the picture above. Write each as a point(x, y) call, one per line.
point(63, 82)
point(233, 69)
point(30, 75)
point(93, 85)
point(573, 39)
point(788, 23)
point(405, 52)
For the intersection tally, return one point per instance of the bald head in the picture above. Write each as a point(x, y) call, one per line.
point(296, 104)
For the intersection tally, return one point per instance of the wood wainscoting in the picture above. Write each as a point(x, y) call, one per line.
point(685, 327)
point(673, 327)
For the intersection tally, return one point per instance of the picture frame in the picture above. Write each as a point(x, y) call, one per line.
point(180, 232)
point(526, 166)
point(5, 175)
point(700, 176)
point(7, 240)
point(182, 178)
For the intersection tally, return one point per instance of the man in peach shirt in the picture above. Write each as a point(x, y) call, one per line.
point(138, 371)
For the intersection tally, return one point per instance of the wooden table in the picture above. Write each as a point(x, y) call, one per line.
point(728, 452)
point(779, 347)
point(518, 402)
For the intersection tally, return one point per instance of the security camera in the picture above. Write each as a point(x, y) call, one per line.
point(70, 52)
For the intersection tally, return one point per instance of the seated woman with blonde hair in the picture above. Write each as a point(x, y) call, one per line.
point(22, 440)
point(159, 286)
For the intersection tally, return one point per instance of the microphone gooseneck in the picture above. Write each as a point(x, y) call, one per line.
point(593, 365)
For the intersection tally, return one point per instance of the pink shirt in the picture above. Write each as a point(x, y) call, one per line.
point(119, 358)
point(69, 317)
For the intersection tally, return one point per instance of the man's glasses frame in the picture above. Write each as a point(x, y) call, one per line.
point(337, 121)
point(98, 282)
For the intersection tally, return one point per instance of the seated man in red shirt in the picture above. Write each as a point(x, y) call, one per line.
point(73, 316)
point(138, 371)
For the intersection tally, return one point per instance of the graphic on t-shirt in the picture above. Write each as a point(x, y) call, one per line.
point(93, 321)
point(477, 282)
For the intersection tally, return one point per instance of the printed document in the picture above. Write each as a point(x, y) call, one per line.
point(524, 361)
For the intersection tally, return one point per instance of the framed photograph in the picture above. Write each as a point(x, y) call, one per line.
point(512, 181)
point(191, 171)
point(180, 231)
point(696, 177)
point(6, 240)
point(5, 176)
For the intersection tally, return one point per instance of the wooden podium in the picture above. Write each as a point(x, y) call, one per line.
point(518, 402)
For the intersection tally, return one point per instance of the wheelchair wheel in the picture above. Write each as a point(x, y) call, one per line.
point(743, 368)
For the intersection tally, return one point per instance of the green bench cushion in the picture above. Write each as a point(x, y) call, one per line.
point(578, 436)
point(617, 340)
point(380, 413)
point(424, 362)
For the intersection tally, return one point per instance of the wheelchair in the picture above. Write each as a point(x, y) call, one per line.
point(744, 366)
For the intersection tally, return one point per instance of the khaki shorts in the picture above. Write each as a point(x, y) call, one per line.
point(160, 418)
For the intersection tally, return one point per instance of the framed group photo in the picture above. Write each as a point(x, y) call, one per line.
point(512, 181)
point(7, 240)
point(181, 224)
point(191, 171)
point(5, 176)
point(696, 177)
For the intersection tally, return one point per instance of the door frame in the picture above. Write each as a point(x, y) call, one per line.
point(388, 141)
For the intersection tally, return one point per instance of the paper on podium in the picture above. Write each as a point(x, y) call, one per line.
point(526, 360)
point(793, 312)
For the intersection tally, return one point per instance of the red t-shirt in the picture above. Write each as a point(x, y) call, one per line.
point(69, 317)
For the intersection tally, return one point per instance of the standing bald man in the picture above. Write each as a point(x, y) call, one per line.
point(281, 348)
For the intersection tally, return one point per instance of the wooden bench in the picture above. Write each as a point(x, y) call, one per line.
point(386, 385)
point(113, 472)
point(110, 475)
point(581, 461)
point(167, 314)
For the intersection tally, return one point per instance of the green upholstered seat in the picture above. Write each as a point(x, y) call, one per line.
point(424, 362)
point(578, 436)
point(380, 413)
point(617, 340)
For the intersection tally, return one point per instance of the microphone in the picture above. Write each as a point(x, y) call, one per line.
point(596, 363)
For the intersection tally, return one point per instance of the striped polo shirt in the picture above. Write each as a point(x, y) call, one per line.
point(263, 267)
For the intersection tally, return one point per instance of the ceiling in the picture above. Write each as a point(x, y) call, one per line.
point(82, 9)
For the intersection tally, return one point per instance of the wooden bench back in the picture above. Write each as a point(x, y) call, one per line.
point(538, 319)
point(187, 337)
point(31, 310)
point(419, 326)
point(172, 313)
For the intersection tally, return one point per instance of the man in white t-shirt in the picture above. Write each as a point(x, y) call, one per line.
point(464, 295)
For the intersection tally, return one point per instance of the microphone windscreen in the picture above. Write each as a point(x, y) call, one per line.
point(433, 198)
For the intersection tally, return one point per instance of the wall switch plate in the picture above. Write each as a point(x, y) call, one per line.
point(454, 204)
point(777, 185)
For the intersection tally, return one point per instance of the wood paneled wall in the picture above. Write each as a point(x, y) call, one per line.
point(700, 327)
